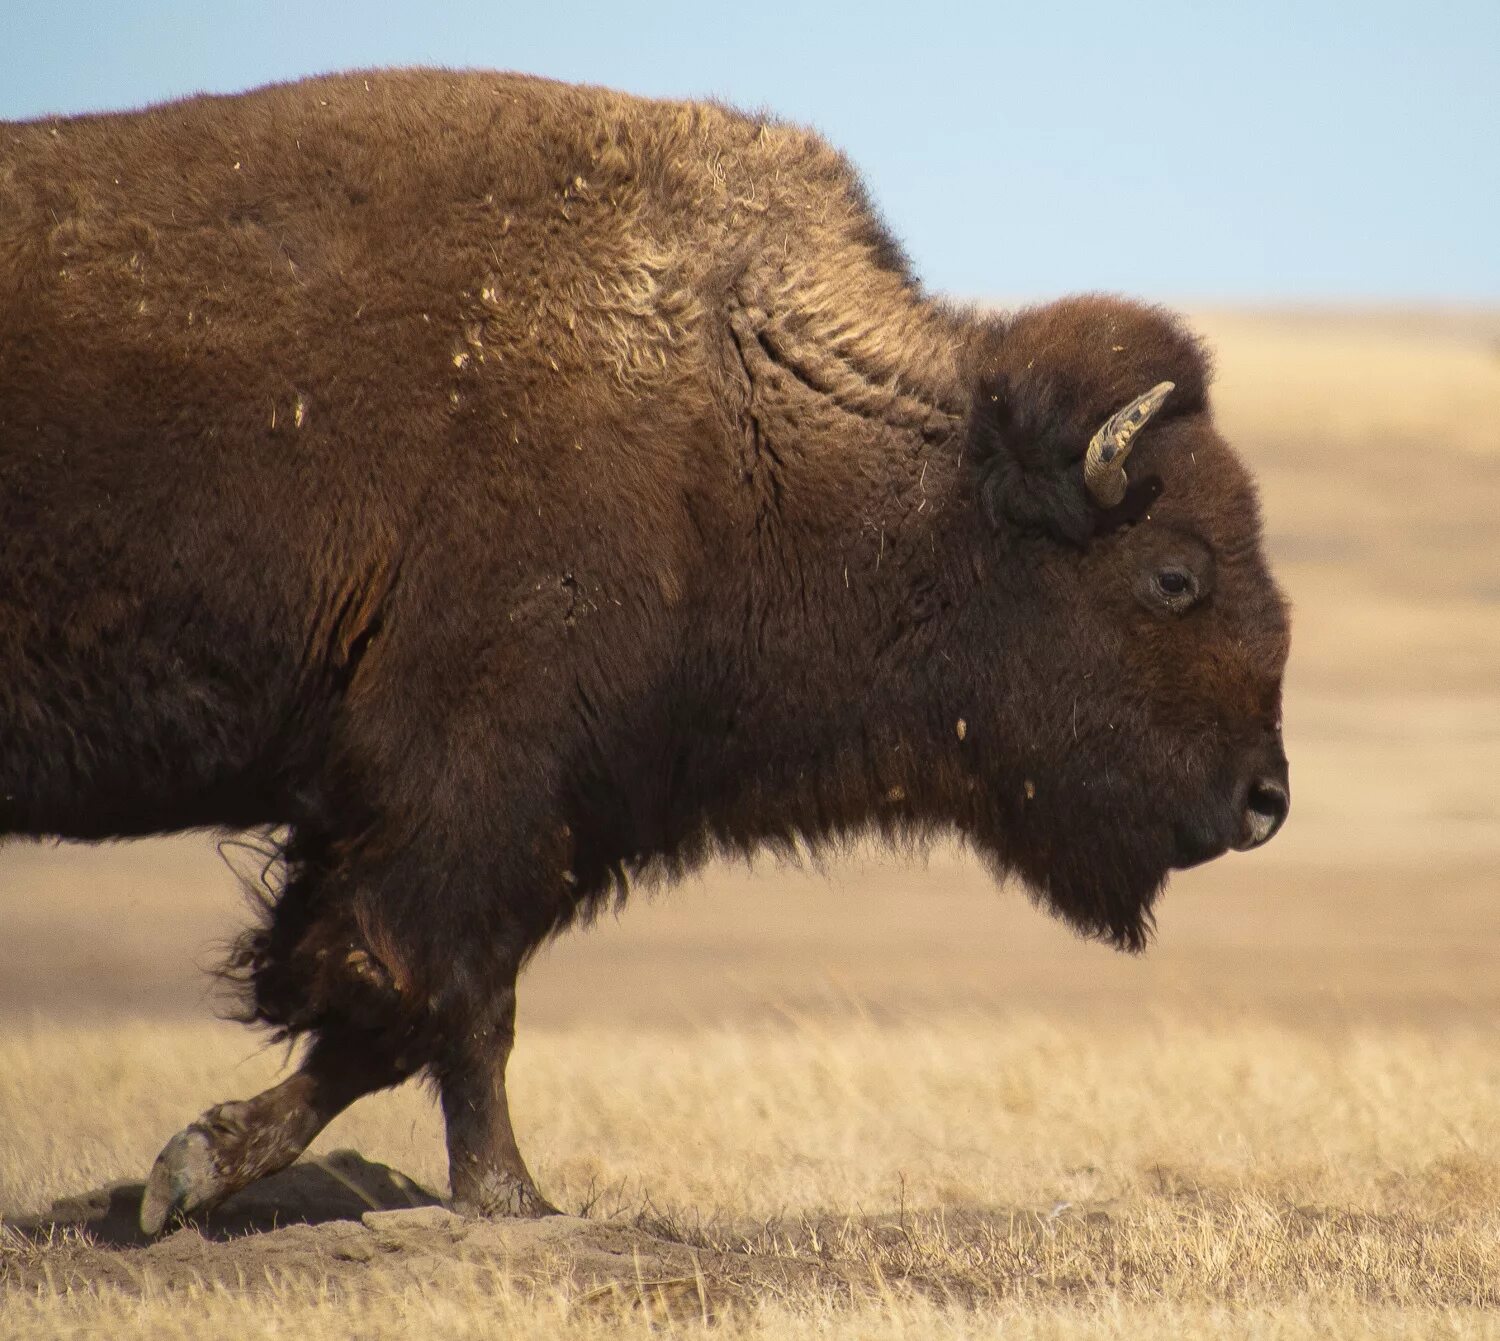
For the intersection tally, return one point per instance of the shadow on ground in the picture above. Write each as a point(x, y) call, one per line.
point(346, 1227)
point(341, 1220)
point(340, 1186)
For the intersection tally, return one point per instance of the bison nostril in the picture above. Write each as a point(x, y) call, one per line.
point(1266, 806)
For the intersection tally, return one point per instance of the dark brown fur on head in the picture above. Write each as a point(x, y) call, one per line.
point(1128, 725)
point(1057, 373)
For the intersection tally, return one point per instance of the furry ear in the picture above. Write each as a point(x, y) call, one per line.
point(1057, 373)
point(1026, 460)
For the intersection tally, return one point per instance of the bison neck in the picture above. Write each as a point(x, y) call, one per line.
point(819, 696)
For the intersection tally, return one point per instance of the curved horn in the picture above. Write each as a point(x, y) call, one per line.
point(1104, 466)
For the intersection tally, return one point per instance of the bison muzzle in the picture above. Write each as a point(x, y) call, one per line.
point(501, 491)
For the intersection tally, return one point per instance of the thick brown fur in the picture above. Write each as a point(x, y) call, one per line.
point(514, 489)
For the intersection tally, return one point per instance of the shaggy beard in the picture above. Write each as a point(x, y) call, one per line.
point(1105, 892)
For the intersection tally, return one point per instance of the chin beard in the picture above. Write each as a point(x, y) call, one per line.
point(1102, 896)
point(1123, 918)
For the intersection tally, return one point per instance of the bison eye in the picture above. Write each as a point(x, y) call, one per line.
point(1177, 588)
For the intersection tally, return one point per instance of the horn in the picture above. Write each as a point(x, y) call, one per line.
point(1104, 466)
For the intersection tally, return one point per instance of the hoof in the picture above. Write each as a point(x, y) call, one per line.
point(184, 1179)
point(504, 1199)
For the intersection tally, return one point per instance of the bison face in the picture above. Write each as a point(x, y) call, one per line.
point(1138, 698)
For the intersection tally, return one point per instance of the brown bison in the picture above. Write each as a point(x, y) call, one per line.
point(506, 491)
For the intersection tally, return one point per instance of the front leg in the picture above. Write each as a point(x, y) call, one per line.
point(485, 1169)
point(234, 1144)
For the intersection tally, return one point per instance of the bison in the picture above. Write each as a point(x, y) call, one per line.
point(503, 492)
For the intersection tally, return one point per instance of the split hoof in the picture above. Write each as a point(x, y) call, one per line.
point(185, 1178)
point(504, 1199)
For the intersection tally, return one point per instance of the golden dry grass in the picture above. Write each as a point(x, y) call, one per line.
point(1281, 1123)
point(958, 1173)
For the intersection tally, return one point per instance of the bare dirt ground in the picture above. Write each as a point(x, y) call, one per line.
point(877, 1099)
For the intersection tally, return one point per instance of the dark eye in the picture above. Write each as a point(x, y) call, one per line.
point(1174, 576)
point(1176, 588)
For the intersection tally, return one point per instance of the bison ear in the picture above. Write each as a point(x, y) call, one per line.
point(1063, 376)
point(1030, 477)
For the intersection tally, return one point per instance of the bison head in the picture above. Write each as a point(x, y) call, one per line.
point(1134, 704)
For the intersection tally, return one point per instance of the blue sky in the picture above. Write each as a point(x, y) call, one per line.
point(1263, 150)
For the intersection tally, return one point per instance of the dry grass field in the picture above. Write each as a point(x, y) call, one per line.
point(877, 1100)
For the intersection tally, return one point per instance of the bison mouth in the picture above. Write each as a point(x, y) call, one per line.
point(1196, 844)
point(1252, 813)
point(1100, 858)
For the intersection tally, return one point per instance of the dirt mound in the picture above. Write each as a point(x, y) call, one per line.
point(338, 1220)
